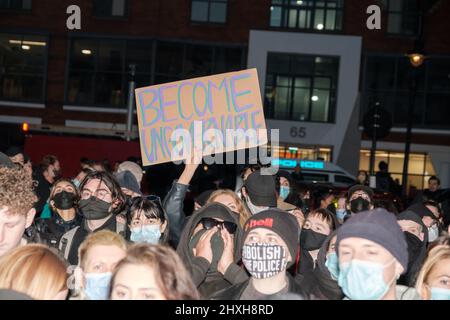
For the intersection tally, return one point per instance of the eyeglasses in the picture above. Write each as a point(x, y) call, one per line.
point(100, 194)
point(209, 223)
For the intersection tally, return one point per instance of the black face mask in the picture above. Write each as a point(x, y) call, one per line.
point(414, 246)
point(217, 246)
point(311, 240)
point(56, 174)
point(94, 208)
point(64, 200)
point(359, 204)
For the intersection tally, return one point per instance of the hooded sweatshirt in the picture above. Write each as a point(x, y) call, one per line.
point(318, 281)
point(415, 258)
point(207, 280)
point(306, 262)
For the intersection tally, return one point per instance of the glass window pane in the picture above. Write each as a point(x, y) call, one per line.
point(394, 23)
point(277, 63)
point(364, 160)
point(275, 16)
point(396, 162)
point(319, 16)
point(322, 83)
point(110, 55)
point(218, 12)
point(228, 59)
point(429, 167)
point(22, 67)
point(320, 105)
point(438, 75)
point(118, 8)
point(292, 18)
point(331, 20)
point(284, 81)
point(304, 20)
point(198, 61)
point(80, 88)
point(139, 53)
point(380, 73)
point(301, 104)
point(416, 163)
point(84, 53)
point(109, 90)
point(302, 65)
point(169, 59)
point(282, 103)
point(199, 11)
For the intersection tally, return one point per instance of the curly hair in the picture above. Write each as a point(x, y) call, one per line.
point(16, 190)
point(171, 276)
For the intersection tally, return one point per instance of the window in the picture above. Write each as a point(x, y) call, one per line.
point(177, 61)
point(402, 17)
point(214, 11)
point(110, 8)
point(15, 4)
point(301, 87)
point(22, 67)
point(307, 14)
point(387, 80)
point(420, 167)
point(99, 68)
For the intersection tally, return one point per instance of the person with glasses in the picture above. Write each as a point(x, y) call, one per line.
point(147, 221)
point(101, 200)
point(430, 213)
point(209, 249)
point(359, 198)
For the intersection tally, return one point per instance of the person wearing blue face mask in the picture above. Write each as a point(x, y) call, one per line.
point(147, 221)
point(433, 281)
point(372, 253)
point(98, 255)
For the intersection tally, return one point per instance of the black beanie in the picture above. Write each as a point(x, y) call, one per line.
point(379, 226)
point(282, 223)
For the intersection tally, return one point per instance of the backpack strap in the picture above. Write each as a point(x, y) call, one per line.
point(65, 244)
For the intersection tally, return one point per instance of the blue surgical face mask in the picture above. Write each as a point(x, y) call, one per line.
point(76, 183)
point(433, 233)
point(341, 213)
point(146, 234)
point(363, 280)
point(284, 192)
point(332, 264)
point(97, 285)
point(440, 294)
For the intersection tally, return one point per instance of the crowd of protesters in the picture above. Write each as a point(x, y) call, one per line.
point(96, 236)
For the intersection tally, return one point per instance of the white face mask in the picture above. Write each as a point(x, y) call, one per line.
point(254, 209)
point(433, 233)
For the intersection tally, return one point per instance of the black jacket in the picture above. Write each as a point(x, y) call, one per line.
point(81, 234)
point(173, 205)
point(206, 281)
point(318, 281)
point(51, 230)
point(235, 292)
point(42, 191)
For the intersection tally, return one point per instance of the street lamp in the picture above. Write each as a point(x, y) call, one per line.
point(416, 59)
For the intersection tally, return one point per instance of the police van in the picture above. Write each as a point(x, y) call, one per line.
point(317, 171)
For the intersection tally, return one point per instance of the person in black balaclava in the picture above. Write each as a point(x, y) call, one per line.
point(416, 236)
point(209, 248)
point(319, 224)
point(359, 198)
point(322, 280)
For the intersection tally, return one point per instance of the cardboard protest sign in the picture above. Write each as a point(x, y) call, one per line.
point(207, 111)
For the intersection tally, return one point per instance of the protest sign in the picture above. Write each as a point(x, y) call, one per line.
point(218, 113)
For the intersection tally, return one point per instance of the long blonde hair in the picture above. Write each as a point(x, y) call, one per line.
point(35, 270)
point(242, 210)
point(435, 255)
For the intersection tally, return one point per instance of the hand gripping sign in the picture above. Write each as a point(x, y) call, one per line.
point(216, 114)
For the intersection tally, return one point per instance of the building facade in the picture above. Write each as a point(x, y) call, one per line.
point(320, 68)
